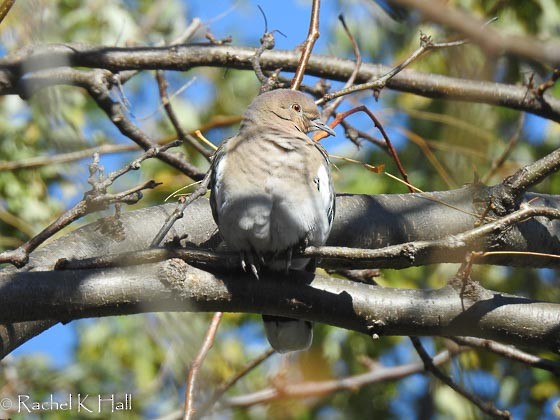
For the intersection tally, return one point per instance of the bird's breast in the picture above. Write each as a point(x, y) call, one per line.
point(271, 202)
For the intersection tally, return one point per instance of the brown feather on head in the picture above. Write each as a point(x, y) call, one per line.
point(289, 105)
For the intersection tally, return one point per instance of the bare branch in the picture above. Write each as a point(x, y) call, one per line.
point(35, 162)
point(95, 199)
point(511, 353)
point(190, 410)
point(181, 206)
point(267, 43)
point(222, 388)
point(497, 163)
point(310, 389)
point(175, 286)
point(331, 108)
point(392, 151)
point(312, 36)
point(532, 174)
point(5, 8)
point(544, 86)
point(485, 406)
point(97, 83)
point(379, 83)
point(403, 254)
point(39, 161)
point(181, 133)
point(182, 58)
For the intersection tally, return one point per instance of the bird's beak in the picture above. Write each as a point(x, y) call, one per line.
point(317, 124)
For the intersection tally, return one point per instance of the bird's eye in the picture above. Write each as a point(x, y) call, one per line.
point(296, 107)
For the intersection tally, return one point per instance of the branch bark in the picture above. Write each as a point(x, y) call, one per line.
point(174, 285)
point(361, 221)
point(182, 58)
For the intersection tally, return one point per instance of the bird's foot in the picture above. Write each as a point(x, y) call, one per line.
point(248, 263)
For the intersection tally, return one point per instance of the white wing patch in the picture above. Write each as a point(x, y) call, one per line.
point(219, 176)
point(323, 183)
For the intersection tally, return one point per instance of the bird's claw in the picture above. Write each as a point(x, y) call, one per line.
point(247, 261)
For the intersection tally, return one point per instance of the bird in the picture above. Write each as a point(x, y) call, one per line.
point(271, 191)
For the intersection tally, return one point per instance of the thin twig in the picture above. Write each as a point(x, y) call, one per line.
point(179, 210)
point(312, 36)
point(96, 199)
point(197, 363)
point(426, 44)
point(355, 134)
point(378, 374)
point(497, 164)
point(486, 406)
point(331, 108)
point(98, 83)
point(544, 86)
point(412, 249)
point(99, 91)
point(267, 43)
point(533, 173)
point(36, 162)
point(225, 386)
point(510, 352)
point(181, 132)
point(377, 123)
point(135, 164)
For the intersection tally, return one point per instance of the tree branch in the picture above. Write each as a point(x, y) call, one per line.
point(320, 388)
point(312, 36)
point(190, 410)
point(182, 58)
point(361, 222)
point(176, 286)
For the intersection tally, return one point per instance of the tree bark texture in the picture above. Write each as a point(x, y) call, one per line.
point(33, 297)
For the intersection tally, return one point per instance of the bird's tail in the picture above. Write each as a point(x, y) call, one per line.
point(288, 334)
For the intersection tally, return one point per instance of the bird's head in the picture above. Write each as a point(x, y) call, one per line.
point(283, 106)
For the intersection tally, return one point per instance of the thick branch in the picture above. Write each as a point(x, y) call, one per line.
point(361, 222)
point(175, 286)
point(182, 58)
point(369, 222)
